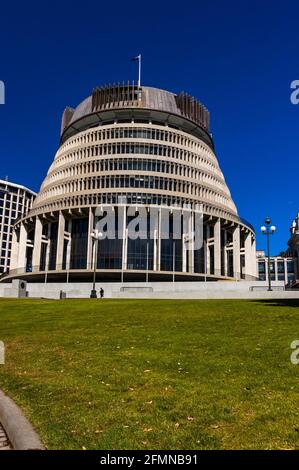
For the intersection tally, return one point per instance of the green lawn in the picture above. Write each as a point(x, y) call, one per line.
point(141, 374)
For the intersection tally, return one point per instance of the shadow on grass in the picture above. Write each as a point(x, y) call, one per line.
point(279, 302)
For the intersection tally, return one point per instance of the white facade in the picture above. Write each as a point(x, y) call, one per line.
point(282, 268)
point(153, 150)
point(15, 202)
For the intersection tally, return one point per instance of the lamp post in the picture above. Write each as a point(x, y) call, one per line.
point(268, 230)
point(96, 236)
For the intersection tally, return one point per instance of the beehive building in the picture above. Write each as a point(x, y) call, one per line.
point(134, 147)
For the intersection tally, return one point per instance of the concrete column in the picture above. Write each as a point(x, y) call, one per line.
point(48, 248)
point(191, 243)
point(89, 239)
point(68, 248)
point(254, 271)
point(275, 269)
point(267, 269)
point(125, 238)
point(249, 262)
point(37, 244)
point(208, 261)
point(22, 248)
point(185, 236)
point(217, 247)
point(154, 232)
point(14, 251)
point(285, 265)
point(159, 241)
point(225, 253)
point(236, 252)
point(60, 240)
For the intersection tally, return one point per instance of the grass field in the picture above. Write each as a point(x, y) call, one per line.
point(140, 374)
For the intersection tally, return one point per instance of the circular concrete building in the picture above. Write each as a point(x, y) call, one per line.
point(132, 150)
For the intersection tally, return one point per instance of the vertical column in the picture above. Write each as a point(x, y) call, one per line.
point(69, 246)
point(249, 262)
point(48, 248)
point(267, 269)
point(275, 269)
point(22, 248)
point(14, 251)
point(191, 243)
point(236, 252)
point(186, 240)
point(91, 218)
point(217, 248)
point(296, 261)
point(225, 252)
point(37, 245)
point(159, 241)
point(125, 238)
point(254, 271)
point(208, 260)
point(154, 232)
point(60, 241)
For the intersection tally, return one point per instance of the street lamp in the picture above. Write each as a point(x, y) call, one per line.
point(96, 236)
point(268, 230)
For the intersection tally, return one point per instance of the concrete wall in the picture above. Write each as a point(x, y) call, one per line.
point(159, 290)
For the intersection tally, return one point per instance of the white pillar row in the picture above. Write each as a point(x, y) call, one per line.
point(38, 231)
point(217, 247)
point(60, 241)
point(236, 252)
point(22, 247)
point(89, 239)
point(14, 251)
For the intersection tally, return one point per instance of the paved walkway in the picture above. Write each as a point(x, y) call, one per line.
point(4, 442)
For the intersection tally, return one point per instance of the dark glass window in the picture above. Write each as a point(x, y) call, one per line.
point(140, 251)
point(171, 251)
point(53, 246)
point(43, 253)
point(79, 244)
point(65, 245)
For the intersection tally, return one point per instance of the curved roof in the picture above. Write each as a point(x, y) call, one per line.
point(124, 96)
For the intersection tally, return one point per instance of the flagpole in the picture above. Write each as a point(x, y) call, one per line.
point(139, 70)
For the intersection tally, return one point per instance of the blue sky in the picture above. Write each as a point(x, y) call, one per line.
point(237, 57)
